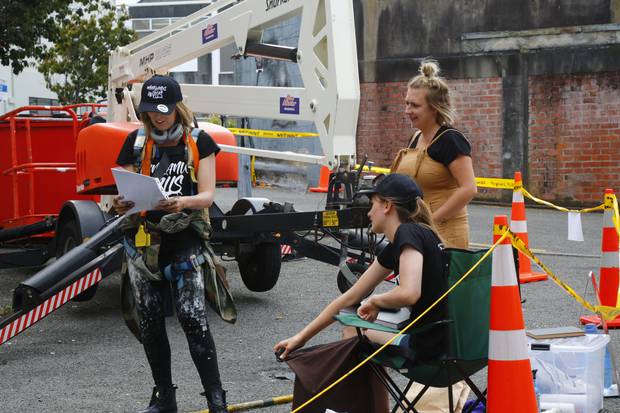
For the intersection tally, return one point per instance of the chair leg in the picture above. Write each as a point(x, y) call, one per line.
point(405, 391)
point(480, 395)
point(473, 405)
point(391, 387)
point(419, 395)
point(450, 396)
point(402, 394)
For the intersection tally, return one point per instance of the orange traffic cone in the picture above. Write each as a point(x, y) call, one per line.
point(323, 180)
point(510, 383)
point(610, 264)
point(518, 225)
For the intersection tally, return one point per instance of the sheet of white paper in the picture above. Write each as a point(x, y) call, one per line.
point(575, 233)
point(144, 191)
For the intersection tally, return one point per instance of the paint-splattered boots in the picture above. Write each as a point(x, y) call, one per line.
point(163, 400)
point(216, 399)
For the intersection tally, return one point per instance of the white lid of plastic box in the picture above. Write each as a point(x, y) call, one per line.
point(588, 342)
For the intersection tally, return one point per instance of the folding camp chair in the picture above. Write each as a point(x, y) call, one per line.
point(468, 335)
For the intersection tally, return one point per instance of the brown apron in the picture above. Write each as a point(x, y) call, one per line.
point(437, 184)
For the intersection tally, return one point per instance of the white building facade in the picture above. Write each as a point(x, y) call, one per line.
point(26, 88)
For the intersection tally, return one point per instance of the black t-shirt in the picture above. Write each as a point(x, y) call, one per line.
point(434, 283)
point(448, 147)
point(174, 176)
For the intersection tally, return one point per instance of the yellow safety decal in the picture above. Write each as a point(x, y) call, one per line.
point(330, 219)
point(271, 134)
point(502, 183)
point(143, 238)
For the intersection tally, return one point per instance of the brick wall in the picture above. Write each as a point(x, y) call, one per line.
point(574, 131)
point(383, 128)
point(574, 147)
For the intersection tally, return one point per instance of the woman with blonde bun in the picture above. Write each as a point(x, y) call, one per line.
point(438, 156)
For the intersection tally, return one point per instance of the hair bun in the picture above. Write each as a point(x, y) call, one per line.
point(429, 68)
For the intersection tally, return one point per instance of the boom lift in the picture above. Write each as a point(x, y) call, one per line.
point(254, 228)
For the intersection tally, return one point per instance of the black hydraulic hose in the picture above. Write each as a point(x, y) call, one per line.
point(40, 227)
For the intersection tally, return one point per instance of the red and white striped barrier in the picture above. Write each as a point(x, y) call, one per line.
point(286, 249)
point(49, 306)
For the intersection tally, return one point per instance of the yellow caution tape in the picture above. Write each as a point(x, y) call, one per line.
point(606, 312)
point(616, 216)
point(375, 169)
point(502, 183)
point(271, 134)
point(559, 208)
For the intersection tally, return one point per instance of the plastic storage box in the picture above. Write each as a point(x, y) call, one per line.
point(570, 370)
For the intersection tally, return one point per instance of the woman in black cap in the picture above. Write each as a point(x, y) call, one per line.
point(166, 247)
point(414, 253)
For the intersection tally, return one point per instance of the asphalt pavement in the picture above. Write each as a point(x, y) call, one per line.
point(83, 358)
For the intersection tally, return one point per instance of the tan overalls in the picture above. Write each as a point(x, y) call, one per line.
point(437, 184)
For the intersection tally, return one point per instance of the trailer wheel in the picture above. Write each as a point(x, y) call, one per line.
point(260, 269)
point(343, 283)
point(67, 239)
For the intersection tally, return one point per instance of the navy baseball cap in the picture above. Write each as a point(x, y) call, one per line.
point(160, 94)
point(401, 188)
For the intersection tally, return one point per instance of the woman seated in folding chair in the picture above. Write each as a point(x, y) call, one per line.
point(414, 253)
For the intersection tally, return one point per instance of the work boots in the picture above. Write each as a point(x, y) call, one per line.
point(163, 400)
point(216, 399)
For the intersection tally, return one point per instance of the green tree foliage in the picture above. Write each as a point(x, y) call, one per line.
point(26, 25)
point(75, 67)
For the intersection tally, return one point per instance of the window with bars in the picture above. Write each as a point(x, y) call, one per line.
point(35, 101)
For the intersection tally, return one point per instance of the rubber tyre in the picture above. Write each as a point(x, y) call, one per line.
point(341, 280)
point(260, 269)
point(69, 238)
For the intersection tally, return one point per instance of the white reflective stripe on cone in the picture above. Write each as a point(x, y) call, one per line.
point(518, 227)
point(507, 345)
point(504, 273)
point(517, 197)
point(610, 260)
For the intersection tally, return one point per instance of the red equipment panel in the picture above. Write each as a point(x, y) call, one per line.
point(98, 146)
point(37, 165)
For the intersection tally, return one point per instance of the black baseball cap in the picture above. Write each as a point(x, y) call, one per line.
point(160, 94)
point(401, 188)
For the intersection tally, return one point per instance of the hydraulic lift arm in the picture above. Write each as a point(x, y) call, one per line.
point(326, 56)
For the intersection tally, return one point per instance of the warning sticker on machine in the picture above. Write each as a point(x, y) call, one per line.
point(330, 219)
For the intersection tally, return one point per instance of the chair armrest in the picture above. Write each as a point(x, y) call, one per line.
point(353, 320)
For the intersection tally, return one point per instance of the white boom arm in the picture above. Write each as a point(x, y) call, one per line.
point(326, 56)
